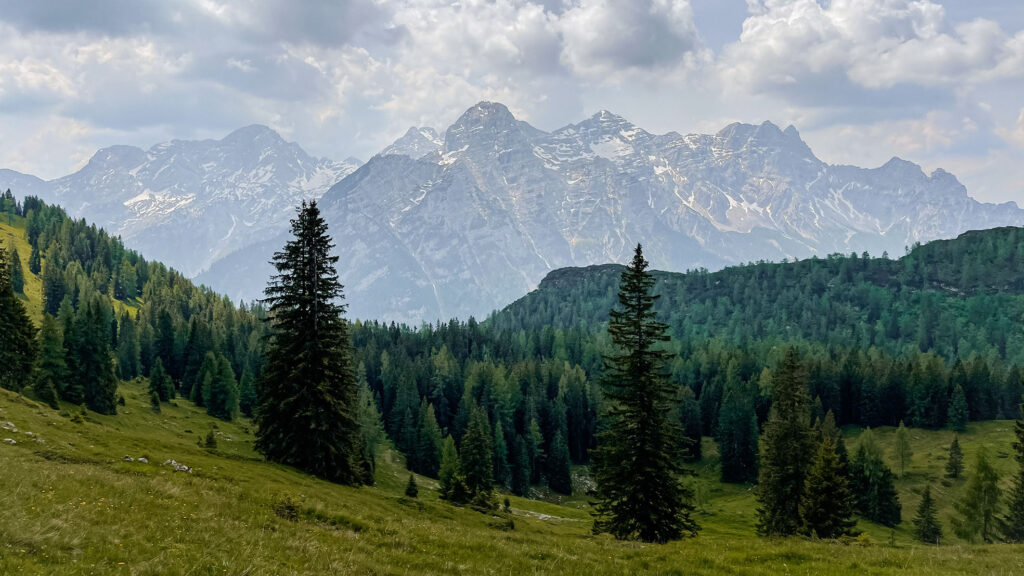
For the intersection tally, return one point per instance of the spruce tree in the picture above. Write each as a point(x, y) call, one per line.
point(154, 401)
point(902, 452)
point(222, 398)
point(827, 507)
point(499, 450)
point(737, 433)
point(690, 417)
point(955, 464)
point(785, 451)
point(411, 491)
point(1013, 521)
point(17, 272)
point(957, 416)
point(54, 289)
point(34, 261)
point(476, 461)
point(978, 508)
point(53, 369)
point(430, 442)
point(128, 363)
point(559, 471)
point(640, 494)
point(521, 467)
point(17, 335)
point(307, 413)
point(247, 393)
point(93, 367)
point(926, 524)
point(159, 381)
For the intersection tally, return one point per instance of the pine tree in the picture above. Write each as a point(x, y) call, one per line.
point(926, 524)
point(307, 412)
point(53, 285)
point(154, 401)
point(449, 475)
point(902, 452)
point(499, 448)
point(411, 491)
point(53, 370)
point(872, 483)
point(979, 507)
point(957, 416)
point(827, 507)
point(521, 467)
point(128, 363)
point(17, 272)
point(17, 335)
point(690, 417)
point(430, 441)
point(737, 432)
point(204, 379)
point(955, 464)
point(1013, 521)
point(785, 450)
point(221, 392)
point(636, 465)
point(247, 393)
point(476, 461)
point(34, 261)
point(559, 471)
point(159, 381)
point(92, 365)
point(371, 427)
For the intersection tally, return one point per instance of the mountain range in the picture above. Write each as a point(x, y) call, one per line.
point(464, 222)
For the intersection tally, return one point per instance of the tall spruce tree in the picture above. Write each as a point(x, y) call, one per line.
point(17, 334)
point(640, 494)
point(371, 427)
point(449, 475)
point(476, 460)
point(826, 510)
point(926, 523)
point(737, 431)
point(902, 451)
point(34, 261)
point(786, 449)
point(307, 414)
point(431, 441)
point(559, 474)
point(1013, 521)
point(93, 366)
point(978, 508)
point(159, 382)
point(955, 463)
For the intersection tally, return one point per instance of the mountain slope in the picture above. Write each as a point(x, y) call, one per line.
point(190, 203)
point(503, 203)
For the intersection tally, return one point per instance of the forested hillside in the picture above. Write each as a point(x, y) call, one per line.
point(104, 313)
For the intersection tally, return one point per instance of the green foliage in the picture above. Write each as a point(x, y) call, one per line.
point(210, 443)
point(957, 417)
point(902, 451)
point(449, 476)
point(1013, 521)
point(17, 273)
point(17, 334)
point(559, 474)
point(978, 509)
point(53, 371)
point(872, 482)
point(785, 451)
point(927, 528)
point(476, 460)
point(307, 413)
point(411, 491)
point(639, 492)
point(690, 417)
point(371, 429)
point(955, 463)
point(159, 382)
point(35, 261)
point(826, 509)
point(737, 434)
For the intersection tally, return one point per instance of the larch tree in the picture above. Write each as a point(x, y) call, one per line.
point(1013, 521)
point(307, 415)
point(640, 494)
point(786, 450)
point(902, 451)
point(978, 508)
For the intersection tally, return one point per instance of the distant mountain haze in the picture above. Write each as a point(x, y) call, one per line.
point(463, 223)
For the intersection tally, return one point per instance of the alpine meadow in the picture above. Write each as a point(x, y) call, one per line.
point(521, 337)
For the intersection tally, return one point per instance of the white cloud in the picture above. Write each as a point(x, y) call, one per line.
point(1015, 134)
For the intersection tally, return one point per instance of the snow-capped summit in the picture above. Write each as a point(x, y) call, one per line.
point(189, 203)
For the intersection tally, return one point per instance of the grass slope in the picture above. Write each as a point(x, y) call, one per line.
point(72, 505)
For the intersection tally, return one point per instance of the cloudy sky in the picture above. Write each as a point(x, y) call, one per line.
point(938, 82)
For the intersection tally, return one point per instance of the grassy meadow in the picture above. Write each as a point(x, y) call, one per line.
point(72, 504)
